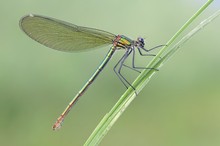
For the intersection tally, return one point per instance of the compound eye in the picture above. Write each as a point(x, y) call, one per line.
point(141, 40)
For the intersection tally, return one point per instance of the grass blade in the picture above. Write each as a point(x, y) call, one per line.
point(110, 118)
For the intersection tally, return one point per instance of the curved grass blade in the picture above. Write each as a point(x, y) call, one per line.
point(64, 36)
point(110, 118)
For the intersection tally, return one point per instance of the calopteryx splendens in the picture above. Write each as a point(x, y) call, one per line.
point(64, 36)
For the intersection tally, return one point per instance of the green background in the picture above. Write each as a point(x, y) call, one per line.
point(179, 107)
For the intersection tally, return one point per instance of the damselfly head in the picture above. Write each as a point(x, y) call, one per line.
point(140, 42)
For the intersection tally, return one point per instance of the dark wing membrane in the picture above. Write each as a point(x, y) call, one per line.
point(64, 36)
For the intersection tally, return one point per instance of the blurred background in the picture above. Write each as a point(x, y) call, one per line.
point(180, 106)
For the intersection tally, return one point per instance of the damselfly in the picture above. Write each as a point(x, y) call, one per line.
point(64, 36)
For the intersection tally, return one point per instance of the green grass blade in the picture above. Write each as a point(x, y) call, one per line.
point(110, 118)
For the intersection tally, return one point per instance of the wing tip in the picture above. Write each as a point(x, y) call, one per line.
point(25, 17)
point(31, 15)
